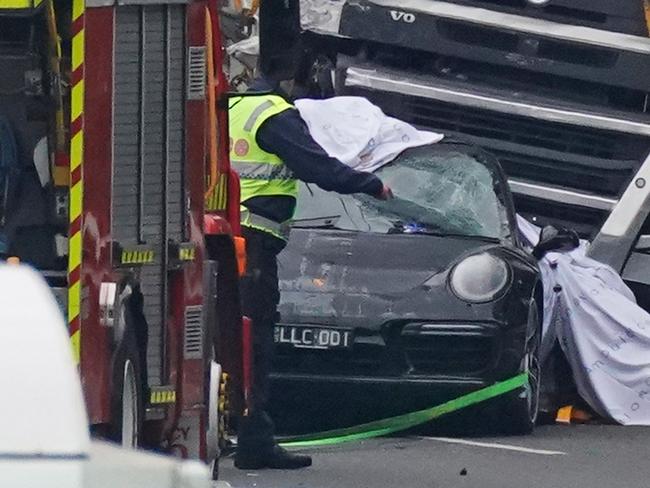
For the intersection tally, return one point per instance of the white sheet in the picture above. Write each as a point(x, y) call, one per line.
point(358, 133)
point(603, 332)
point(588, 308)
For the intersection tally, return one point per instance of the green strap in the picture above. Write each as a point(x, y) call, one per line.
point(403, 422)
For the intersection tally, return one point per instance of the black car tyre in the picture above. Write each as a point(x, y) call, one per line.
point(521, 408)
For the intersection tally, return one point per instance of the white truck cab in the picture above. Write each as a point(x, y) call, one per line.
point(45, 440)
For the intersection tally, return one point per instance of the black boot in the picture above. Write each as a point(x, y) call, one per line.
point(257, 449)
point(276, 458)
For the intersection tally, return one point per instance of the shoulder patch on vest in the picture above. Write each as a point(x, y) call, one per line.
point(241, 147)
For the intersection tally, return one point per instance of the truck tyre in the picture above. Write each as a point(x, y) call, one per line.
point(521, 407)
point(127, 398)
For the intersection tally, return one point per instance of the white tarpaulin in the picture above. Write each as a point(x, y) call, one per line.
point(604, 334)
point(358, 133)
point(588, 308)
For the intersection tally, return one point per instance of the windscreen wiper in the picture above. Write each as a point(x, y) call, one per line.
point(424, 230)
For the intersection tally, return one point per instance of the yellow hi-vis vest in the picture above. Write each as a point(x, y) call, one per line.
point(261, 173)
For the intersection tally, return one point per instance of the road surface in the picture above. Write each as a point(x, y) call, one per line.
point(585, 456)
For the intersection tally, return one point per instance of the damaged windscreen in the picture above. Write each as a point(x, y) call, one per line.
point(438, 192)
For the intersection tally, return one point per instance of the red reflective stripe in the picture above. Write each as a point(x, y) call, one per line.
point(77, 125)
point(74, 275)
point(75, 325)
point(78, 25)
point(75, 177)
point(75, 226)
point(77, 75)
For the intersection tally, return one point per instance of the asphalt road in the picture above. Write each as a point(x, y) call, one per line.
point(587, 456)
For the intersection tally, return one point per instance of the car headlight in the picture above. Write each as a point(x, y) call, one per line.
point(479, 278)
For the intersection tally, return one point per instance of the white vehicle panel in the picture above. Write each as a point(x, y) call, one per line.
point(41, 473)
point(110, 466)
point(43, 410)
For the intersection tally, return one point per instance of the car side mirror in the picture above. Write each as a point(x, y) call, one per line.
point(555, 239)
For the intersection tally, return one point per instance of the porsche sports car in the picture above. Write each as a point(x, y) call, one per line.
point(428, 296)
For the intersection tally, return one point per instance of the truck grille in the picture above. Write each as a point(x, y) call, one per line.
point(572, 86)
point(561, 156)
point(552, 50)
point(581, 158)
point(620, 16)
point(526, 57)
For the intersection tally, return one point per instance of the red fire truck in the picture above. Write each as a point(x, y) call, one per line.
point(111, 131)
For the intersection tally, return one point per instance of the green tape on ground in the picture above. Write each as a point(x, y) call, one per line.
point(391, 425)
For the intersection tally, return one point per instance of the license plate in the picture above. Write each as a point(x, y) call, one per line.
point(313, 337)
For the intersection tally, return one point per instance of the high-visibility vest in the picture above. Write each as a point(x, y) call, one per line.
point(261, 173)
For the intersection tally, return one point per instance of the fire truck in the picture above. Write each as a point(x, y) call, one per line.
point(116, 186)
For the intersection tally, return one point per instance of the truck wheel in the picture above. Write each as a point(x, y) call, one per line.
point(127, 396)
point(521, 407)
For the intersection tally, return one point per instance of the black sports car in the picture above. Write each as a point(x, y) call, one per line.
point(428, 295)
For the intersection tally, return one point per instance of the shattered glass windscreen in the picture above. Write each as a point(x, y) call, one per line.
point(441, 193)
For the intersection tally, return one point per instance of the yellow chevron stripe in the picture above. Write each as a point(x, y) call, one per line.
point(78, 47)
point(19, 4)
point(162, 396)
point(78, 8)
point(76, 201)
point(137, 257)
point(187, 254)
point(76, 349)
point(77, 100)
point(75, 251)
point(76, 150)
point(76, 190)
point(217, 200)
point(74, 300)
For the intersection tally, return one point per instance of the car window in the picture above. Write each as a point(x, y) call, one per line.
point(446, 192)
